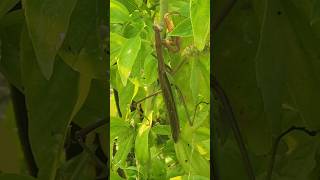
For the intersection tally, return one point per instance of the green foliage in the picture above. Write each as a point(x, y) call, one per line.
point(267, 61)
point(54, 52)
point(141, 142)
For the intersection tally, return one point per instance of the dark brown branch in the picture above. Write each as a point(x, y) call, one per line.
point(166, 88)
point(116, 99)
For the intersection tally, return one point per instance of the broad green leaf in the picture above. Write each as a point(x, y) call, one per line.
point(49, 104)
point(47, 22)
point(200, 20)
point(125, 143)
point(194, 80)
point(118, 12)
point(15, 177)
point(82, 25)
point(95, 105)
point(126, 95)
point(270, 59)
point(161, 129)
point(183, 7)
point(142, 143)
point(116, 42)
point(6, 5)
point(150, 69)
point(10, 30)
point(191, 160)
point(199, 81)
point(315, 12)
point(83, 48)
point(77, 168)
point(118, 127)
point(90, 61)
point(135, 25)
point(229, 158)
point(303, 67)
point(183, 29)
point(83, 92)
point(235, 46)
point(11, 152)
point(129, 4)
point(158, 169)
point(127, 58)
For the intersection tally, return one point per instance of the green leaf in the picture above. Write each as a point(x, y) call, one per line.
point(10, 30)
point(118, 12)
point(95, 106)
point(77, 168)
point(237, 76)
point(124, 147)
point(150, 69)
point(200, 26)
point(90, 61)
point(142, 143)
point(315, 17)
point(15, 177)
point(83, 92)
point(161, 129)
point(47, 22)
point(116, 43)
point(302, 68)
point(194, 80)
point(270, 59)
point(6, 5)
point(49, 104)
point(183, 29)
point(129, 4)
point(82, 25)
point(191, 160)
point(118, 127)
point(127, 58)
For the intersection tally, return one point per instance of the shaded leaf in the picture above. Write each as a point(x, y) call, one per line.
point(47, 22)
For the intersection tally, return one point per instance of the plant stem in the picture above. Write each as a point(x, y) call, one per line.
point(166, 88)
point(147, 97)
point(235, 128)
point(83, 132)
point(276, 145)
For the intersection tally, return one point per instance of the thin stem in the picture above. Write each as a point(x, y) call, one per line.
point(116, 98)
point(147, 97)
point(196, 108)
point(184, 104)
point(277, 142)
point(235, 127)
point(83, 132)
